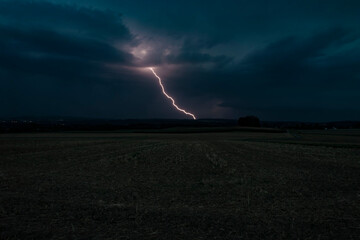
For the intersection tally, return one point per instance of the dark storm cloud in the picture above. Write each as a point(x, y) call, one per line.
point(294, 60)
point(63, 42)
point(66, 60)
point(38, 33)
point(277, 59)
point(65, 18)
point(307, 76)
point(239, 20)
point(49, 43)
point(294, 50)
point(195, 57)
point(190, 53)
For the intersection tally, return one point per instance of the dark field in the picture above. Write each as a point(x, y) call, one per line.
point(233, 185)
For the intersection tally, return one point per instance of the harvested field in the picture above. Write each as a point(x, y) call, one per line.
point(230, 185)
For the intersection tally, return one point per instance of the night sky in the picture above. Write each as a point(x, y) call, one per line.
point(279, 60)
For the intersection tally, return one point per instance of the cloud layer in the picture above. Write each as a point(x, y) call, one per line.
point(281, 61)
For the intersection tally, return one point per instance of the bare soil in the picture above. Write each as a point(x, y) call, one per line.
point(231, 185)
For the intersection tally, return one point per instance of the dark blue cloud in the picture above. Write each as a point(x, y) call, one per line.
point(286, 60)
point(64, 18)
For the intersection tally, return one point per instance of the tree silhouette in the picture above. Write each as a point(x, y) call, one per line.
point(249, 121)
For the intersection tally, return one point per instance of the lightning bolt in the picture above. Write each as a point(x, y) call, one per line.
point(169, 97)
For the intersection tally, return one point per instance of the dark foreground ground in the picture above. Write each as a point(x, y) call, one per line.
point(233, 185)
